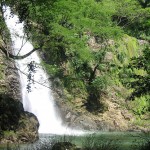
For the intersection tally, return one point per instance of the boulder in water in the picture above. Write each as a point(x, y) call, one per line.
point(64, 146)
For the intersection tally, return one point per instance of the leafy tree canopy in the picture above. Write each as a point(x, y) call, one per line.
point(65, 30)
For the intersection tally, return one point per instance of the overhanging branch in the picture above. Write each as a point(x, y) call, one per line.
point(8, 54)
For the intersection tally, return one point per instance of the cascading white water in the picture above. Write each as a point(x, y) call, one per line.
point(40, 101)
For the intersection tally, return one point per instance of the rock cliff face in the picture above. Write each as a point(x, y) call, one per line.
point(80, 119)
point(115, 118)
point(16, 125)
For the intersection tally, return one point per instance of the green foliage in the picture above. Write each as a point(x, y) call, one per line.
point(140, 83)
point(52, 70)
point(125, 49)
point(136, 77)
point(99, 84)
point(133, 17)
point(63, 29)
point(74, 85)
point(141, 105)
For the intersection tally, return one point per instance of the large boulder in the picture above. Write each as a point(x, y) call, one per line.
point(27, 131)
point(15, 124)
point(10, 112)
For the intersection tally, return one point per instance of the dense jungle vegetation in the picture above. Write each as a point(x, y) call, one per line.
point(90, 45)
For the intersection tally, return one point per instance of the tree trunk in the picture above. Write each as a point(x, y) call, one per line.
point(92, 76)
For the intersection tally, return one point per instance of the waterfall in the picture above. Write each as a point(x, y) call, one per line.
point(40, 100)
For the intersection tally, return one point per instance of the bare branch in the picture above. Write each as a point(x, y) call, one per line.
point(8, 54)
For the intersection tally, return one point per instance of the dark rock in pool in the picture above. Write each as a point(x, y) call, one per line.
point(64, 146)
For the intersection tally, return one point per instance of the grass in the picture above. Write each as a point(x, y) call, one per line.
point(94, 143)
point(89, 142)
point(145, 144)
